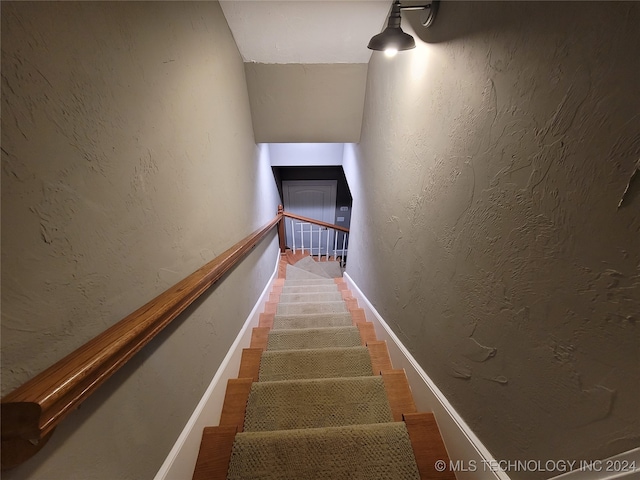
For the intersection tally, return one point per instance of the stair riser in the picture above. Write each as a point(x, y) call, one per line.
point(371, 452)
point(321, 363)
point(308, 282)
point(316, 404)
point(310, 297)
point(307, 393)
point(311, 308)
point(300, 339)
point(310, 289)
point(312, 320)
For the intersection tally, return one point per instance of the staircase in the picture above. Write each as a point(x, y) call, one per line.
point(316, 395)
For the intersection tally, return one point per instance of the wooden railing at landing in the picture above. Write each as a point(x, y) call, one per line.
point(31, 412)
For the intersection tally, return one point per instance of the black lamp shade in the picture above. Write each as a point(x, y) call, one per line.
point(393, 38)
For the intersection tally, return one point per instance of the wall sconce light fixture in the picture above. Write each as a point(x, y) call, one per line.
point(392, 39)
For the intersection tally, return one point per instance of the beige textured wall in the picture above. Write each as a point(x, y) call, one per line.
point(486, 227)
point(306, 103)
point(128, 161)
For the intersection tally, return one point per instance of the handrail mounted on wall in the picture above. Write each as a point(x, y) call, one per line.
point(32, 411)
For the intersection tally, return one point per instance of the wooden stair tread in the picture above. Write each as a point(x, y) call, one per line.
point(428, 446)
point(235, 402)
point(217, 442)
point(398, 394)
point(358, 315)
point(367, 333)
point(380, 360)
point(260, 337)
point(250, 363)
point(215, 453)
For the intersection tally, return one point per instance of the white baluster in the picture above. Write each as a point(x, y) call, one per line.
point(293, 234)
point(344, 243)
point(311, 239)
point(335, 246)
point(301, 237)
point(327, 252)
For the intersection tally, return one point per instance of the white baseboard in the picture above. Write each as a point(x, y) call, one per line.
point(467, 453)
point(465, 449)
point(181, 460)
point(623, 466)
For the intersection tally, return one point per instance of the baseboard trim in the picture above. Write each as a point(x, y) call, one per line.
point(181, 460)
point(466, 451)
point(625, 465)
point(464, 448)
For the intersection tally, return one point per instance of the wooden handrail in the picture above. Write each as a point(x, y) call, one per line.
point(316, 222)
point(32, 411)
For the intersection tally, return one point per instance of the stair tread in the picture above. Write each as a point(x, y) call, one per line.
point(312, 320)
point(330, 269)
point(308, 281)
point(333, 287)
point(293, 272)
point(311, 307)
point(307, 264)
point(373, 451)
point(308, 338)
point(315, 363)
point(335, 296)
point(313, 403)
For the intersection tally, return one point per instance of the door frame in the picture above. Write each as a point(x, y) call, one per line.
point(328, 214)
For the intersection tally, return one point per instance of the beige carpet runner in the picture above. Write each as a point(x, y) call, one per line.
point(366, 452)
point(312, 320)
point(317, 412)
point(315, 363)
point(332, 402)
point(326, 337)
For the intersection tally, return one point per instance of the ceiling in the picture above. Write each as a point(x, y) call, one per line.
point(306, 65)
point(305, 31)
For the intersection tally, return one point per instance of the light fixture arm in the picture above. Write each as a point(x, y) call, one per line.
point(415, 7)
point(429, 11)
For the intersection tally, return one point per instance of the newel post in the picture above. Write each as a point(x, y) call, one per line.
point(281, 228)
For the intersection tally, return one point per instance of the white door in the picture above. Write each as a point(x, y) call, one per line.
point(314, 199)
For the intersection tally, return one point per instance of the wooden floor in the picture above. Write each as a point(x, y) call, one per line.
point(217, 442)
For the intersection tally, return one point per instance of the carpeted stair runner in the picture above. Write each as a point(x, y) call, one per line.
point(315, 363)
point(333, 269)
point(312, 320)
point(308, 265)
point(303, 338)
point(330, 288)
point(295, 404)
point(311, 307)
point(367, 452)
point(312, 280)
point(314, 297)
point(322, 268)
point(295, 273)
point(317, 410)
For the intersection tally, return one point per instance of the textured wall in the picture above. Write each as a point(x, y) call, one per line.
point(487, 228)
point(306, 103)
point(128, 161)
